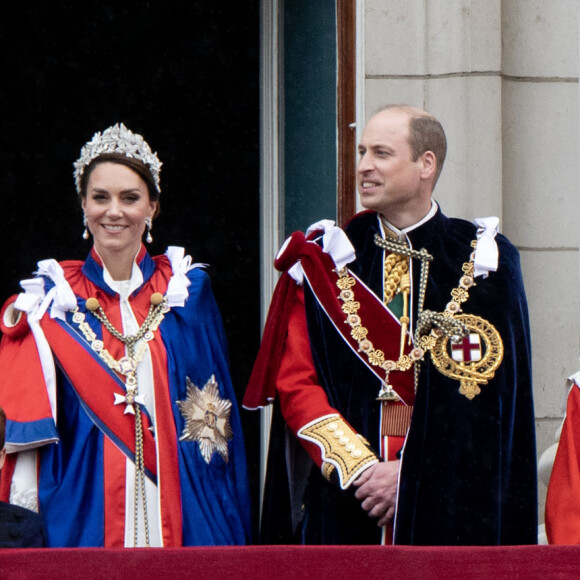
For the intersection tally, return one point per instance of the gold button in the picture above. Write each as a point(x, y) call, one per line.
point(92, 304)
point(156, 298)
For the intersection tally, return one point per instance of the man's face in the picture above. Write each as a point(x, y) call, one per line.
point(387, 177)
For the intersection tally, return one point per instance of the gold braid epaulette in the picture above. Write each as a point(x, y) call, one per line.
point(343, 450)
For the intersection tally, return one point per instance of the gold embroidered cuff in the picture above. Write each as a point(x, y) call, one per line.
point(343, 451)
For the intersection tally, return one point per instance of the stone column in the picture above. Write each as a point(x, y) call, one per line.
point(502, 76)
point(541, 188)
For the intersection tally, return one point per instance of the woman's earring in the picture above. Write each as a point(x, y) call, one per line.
point(149, 225)
point(86, 232)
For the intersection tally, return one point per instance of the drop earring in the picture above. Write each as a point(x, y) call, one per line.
point(149, 225)
point(86, 232)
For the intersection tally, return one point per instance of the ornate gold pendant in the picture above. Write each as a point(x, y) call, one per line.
point(207, 419)
point(472, 360)
point(387, 394)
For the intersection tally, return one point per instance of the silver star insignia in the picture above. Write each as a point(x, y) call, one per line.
point(206, 419)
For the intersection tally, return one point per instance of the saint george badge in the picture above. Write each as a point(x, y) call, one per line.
point(468, 349)
point(207, 419)
point(472, 360)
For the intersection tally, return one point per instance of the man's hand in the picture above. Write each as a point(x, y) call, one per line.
point(377, 490)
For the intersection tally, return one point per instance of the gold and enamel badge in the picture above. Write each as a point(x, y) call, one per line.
point(207, 419)
point(464, 347)
point(473, 359)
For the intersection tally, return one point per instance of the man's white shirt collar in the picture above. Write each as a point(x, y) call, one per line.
point(402, 234)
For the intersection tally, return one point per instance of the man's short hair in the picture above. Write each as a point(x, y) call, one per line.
point(2, 428)
point(425, 134)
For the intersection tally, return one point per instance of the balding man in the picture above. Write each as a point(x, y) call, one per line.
point(398, 352)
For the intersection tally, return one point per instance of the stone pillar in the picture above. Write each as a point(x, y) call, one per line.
point(541, 188)
point(502, 77)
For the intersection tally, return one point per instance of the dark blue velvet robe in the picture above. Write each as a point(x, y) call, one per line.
point(20, 528)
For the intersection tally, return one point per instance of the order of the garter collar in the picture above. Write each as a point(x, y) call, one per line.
point(122, 141)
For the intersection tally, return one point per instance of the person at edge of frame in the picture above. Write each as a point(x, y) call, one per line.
point(19, 527)
point(123, 428)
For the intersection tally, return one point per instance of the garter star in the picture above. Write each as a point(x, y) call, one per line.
point(206, 419)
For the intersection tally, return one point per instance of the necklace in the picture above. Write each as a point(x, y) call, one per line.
point(454, 326)
point(446, 324)
point(404, 362)
point(127, 366)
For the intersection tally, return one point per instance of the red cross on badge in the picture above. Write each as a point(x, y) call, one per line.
point(467, 350)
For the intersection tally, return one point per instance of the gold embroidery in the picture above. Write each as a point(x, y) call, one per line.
point(342, 449)
point(327, 470)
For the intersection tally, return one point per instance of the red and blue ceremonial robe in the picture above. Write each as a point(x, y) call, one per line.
point(59, 397)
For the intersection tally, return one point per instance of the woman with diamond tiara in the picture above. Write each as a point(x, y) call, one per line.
point(123, 429)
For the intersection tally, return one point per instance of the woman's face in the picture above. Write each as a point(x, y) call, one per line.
point(116, 205)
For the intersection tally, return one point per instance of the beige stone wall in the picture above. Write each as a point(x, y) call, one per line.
point(502, 76)
point(541, 202)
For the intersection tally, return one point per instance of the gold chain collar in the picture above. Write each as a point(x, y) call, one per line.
point(453, 325)
point(376, 357)
point(127, 366)
point(446, 324)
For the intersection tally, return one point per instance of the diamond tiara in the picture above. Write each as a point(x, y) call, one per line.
point(122, 141)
